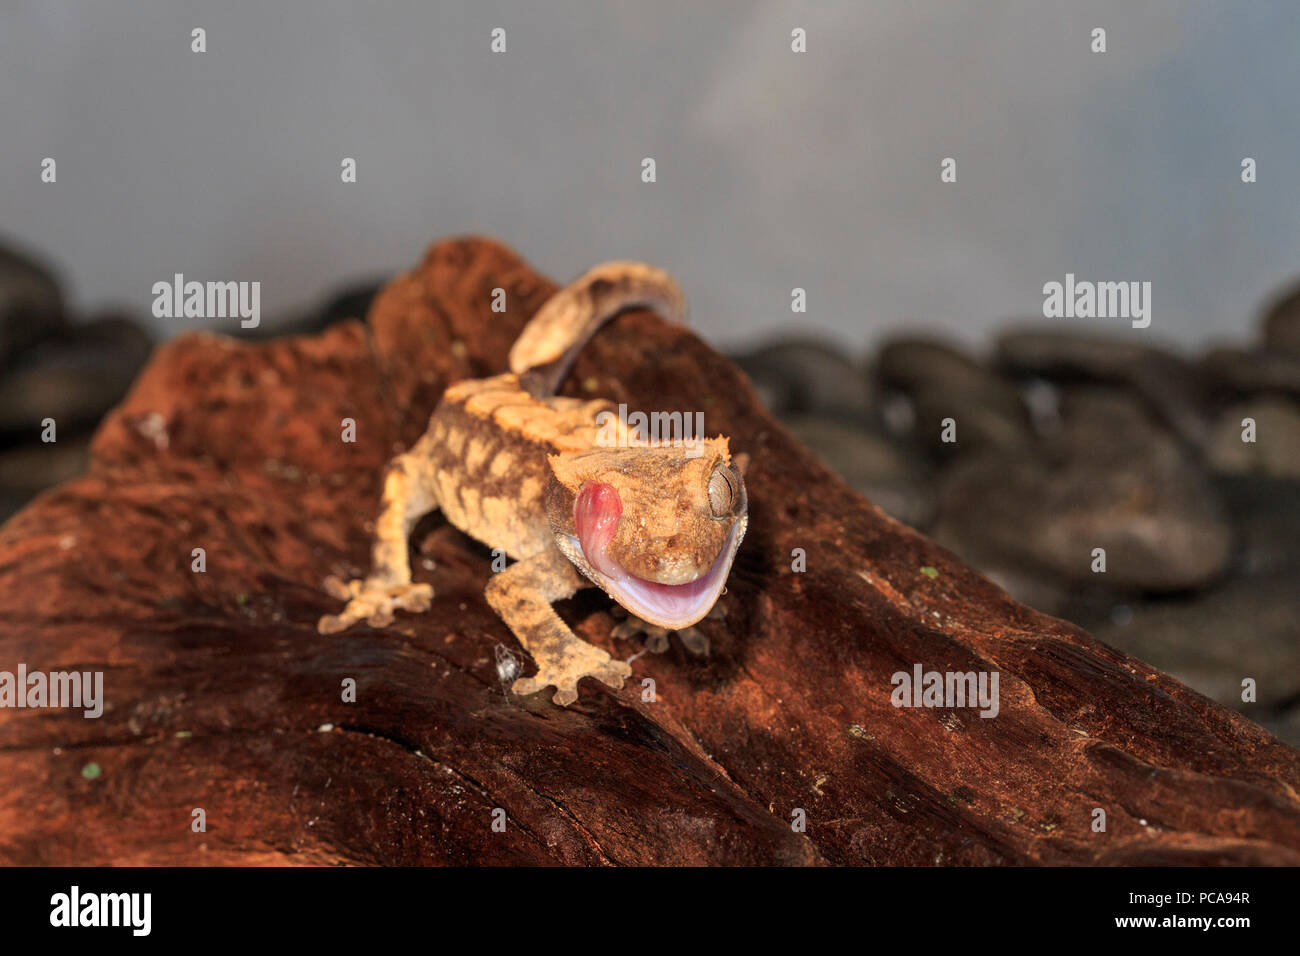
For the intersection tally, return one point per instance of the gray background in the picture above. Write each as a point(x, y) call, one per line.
point(775, 170)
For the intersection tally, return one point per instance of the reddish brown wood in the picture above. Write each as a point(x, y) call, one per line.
point(218, 683)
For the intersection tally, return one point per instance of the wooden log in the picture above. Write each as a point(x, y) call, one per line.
point(221, 696)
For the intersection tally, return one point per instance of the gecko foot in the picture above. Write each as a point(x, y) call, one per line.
point(563, 671)
point(656, 637)
point(373, 601)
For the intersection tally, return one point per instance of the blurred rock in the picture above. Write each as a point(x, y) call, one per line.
point(1175, 390)
point(10, 504)
point(1246, 628)
point(1041, 592)
point(1266, 513)
point(350, 302)
point(942, 382)
point(74, 377)
point(1110, 423)
point(981, 422)
point(910, 363)
point(1250, 371)
point(1109, 479)
point(1275, 452)
point(799, 376)
point(30, 469)
point(1063, 356)
point(31, 307)
point(1282, 322)
point(870, 464)
point(1285, 725)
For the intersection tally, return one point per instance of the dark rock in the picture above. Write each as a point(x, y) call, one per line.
point(1285, 725)
point(1111, 423)
point(1249, 371)
point(1177, 393)
point(802, 376)
point(1266, 513)
point(984, 421)
point(1245, 628)
point(1030, 586)
point(350, 302)
point(11, 504)
point(1109, 479)
point(74, 377)
point(1282, 322)
point(1174, 389)
point(943, 383)
point(1070, 356)
point(910, 363)
point(29, 469)
point(1275, 452)
point(886, 475)
point(31, 306)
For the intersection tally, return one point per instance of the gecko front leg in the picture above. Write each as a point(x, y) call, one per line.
point(407, 496)
point(522, 595)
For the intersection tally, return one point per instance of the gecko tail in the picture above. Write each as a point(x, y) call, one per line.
point(552, 339)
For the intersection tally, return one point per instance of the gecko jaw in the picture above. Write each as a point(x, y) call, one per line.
point(674, 606)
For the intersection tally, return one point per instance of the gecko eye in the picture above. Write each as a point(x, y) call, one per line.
point(722, 492)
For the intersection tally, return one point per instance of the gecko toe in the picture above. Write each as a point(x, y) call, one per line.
point(338, 588)
point(528, 685)
point(373, 602)
point(695, 641)
point(613, 674)
point(609, 672)
point(381, 617)
point(330, 624)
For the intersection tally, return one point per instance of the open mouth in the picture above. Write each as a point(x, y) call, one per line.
point(673, 606)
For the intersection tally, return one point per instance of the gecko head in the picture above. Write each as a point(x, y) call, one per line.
point(656, 527)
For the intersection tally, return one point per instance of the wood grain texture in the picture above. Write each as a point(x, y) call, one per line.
point(218, 685)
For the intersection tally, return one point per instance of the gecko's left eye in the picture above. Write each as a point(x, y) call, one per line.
point(722, 492)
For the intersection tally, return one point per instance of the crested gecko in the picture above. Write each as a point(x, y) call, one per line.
point(521, 469)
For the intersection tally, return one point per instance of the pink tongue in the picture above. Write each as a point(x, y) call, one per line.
point(595, 517)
